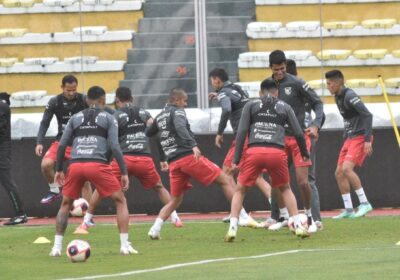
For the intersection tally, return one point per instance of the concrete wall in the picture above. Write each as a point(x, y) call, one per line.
point(380, 176)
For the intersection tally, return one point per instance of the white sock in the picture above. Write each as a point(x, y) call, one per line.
point(243, 214)
point(233, 223)
point(54, 187)
point(283, 212)
point(361, 195)
point(158, 224)
point(307, 212)
point(58, 241)
point(348, 204)
point(124, 239)
point(270, 201)
point(87, 218)
point(174, 217)
point(296, 220)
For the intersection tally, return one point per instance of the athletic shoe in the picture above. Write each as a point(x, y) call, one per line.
point(230, 235)
point(363, 209)
point(226, 219)
point(178, 223)
point(51, 197)
point(320, 225)
point(82, 229)
point(16, 220)
point(269, 222)
point(153, 234)
point(282, 222)
point(344, 215)
point(312, 227)
point(249, 222)
point(55, 252)
point(91, 223)
point(128, 250)
point(301, 232)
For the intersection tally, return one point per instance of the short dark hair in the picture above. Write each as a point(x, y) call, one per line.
point(69, 79)
point(175, 94)
point(95, 93)
point(124, 94)
point(291, 67)
point(219, 73)
point(267, 85)
point(5, 96)
point(277, 57)
point(334, 75)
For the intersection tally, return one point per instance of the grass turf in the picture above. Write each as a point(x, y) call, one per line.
point(357, 249)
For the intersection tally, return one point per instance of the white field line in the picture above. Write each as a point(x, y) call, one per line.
point(179, 265)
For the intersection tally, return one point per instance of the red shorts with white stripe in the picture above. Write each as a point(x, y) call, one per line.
point(353, 150)
point(181, 170)
point(142, 167)
point(99, 174)
point(52, 152)
point(260, 158)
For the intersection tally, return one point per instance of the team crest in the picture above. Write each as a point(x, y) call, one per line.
point(288, 90)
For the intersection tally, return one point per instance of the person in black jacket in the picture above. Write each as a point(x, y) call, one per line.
point(5, 161)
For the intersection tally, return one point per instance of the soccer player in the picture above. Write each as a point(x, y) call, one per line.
point(184, 157)
point(263, 122)
point(132, 121)
point(357, 143)
point(232, 99)
point(5, 162)
point(63, 106)
point(93, 133)
point(296, 93)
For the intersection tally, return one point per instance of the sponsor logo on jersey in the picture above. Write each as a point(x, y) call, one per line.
point(288, 90)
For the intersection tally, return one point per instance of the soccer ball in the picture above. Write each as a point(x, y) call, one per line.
point(303, 220)
point(78, 250)
point(79, 207)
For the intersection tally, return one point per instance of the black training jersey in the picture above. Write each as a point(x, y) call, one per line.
point(172, 126)
point(357, 118)
point(263, 122)
point(232, 99)
point(63, 109)
point(131, 130)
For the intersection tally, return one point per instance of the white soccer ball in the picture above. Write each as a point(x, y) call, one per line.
point(79, 207)
point(78, 250)
point(303, 221)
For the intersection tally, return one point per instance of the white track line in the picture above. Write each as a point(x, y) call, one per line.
point(179, 265)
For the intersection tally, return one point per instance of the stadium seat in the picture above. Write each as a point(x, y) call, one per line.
point(98, 2)
point(79, 59)
point(8, 62)
point(253, 59)
point(371, 53)
point(18, 3)
point(340, 24)
point(379, 23)
point(58, 3)
point(333, 54)
point(272, 26)
point(253, 88)
point(365, 87)
point(12, 32)
point(90, 30)
point(31, 95)
point(317, 84)
point(302, 25)
point(40, 60)
point(298, 55)
point(396, 53)
point(393, 82)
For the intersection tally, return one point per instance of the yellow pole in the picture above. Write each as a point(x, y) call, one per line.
point(385, 95)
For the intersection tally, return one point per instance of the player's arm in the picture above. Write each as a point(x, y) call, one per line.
point(180, 123)
point(226, 107)
point(316, 105)
point(44, 124)
point(151, 128)
point(297, 131)
point(243, 129)
point(4, 116)
point(62, 145)
point(353, 100)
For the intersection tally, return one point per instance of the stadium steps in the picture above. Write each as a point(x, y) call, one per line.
point(164, 55)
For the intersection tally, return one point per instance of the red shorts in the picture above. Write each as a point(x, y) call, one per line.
point(142, 167)
point(261, 158)
point(353, 150)
point(52, 152)
point(181, 170)
point(99, 174)
point(231, 153)
point(292, 149)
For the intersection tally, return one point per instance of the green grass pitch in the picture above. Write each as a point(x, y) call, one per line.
point(348, 249)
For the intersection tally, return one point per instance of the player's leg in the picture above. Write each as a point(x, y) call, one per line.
point(264, 187)
point(8, 183)
point(61, 225)
point(344, 188)
point(47, 167)
point(165, 197)
point(87, 191)
point(236, 206)
point(88, 221)
point(315, 204)
point(282, 213)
